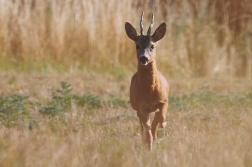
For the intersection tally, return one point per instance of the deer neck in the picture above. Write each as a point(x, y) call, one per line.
point(148, 75)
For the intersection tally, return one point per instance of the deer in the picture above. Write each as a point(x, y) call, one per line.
point(148, 89)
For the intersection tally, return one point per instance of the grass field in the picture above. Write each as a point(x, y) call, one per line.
point(65, 69)
point(84, 123)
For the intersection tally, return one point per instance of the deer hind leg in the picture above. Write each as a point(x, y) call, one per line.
point(146, 129)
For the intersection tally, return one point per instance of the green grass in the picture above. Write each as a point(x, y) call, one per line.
point(209, 100)
point(15, 108)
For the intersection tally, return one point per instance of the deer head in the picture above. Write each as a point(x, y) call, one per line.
point(145, 44)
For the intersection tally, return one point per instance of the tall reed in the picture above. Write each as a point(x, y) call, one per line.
point(204, 38)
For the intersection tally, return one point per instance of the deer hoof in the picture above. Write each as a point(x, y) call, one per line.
point(163, 125)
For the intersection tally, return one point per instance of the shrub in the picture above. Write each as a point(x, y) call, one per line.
point(13, 109)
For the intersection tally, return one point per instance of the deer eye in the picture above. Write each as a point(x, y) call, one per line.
point(137, 47)
point(152, 47)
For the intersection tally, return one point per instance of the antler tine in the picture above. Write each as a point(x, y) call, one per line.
point(141, 24)
point(151, 25)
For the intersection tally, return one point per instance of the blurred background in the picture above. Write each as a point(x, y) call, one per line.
point(205, 38)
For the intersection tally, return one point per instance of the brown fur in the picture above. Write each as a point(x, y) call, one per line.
point(149, 89)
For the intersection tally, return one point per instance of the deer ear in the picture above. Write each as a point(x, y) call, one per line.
point(131, 31)
point(159, 33)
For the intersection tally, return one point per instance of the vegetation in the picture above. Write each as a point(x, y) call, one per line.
point(13, 109)
point(16, 107)
point(204, 38)
point(66, 126)
point(65, 69)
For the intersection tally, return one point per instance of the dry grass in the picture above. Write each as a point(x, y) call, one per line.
point(224, 140)
point(204, 38)
point(209, 124)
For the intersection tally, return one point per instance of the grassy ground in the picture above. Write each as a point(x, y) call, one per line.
point(65, 69)
point(89, 122)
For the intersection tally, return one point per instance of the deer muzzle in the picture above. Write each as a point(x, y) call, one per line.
point(143, 59)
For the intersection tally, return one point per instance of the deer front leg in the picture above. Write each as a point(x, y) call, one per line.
point(154, 125)
point(146, 128)
point(163, 110)
point(159, 118)
point(141, 125)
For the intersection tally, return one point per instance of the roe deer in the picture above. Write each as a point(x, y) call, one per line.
point(149, 89)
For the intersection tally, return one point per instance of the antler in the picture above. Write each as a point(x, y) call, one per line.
point(152, 23)
point(141, 24)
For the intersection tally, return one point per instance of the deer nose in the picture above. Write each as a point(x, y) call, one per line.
point(143, 60)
